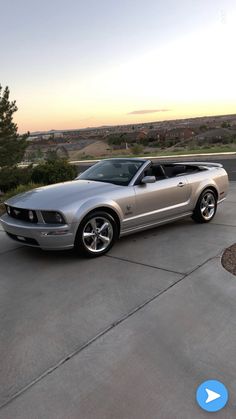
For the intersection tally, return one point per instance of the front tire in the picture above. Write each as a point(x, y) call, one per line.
point(96, 234)
point(206, 207)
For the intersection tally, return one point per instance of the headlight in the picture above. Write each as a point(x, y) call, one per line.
point(53, 217)
point(31, 215)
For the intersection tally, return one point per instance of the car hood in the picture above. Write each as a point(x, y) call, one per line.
point(57, 196)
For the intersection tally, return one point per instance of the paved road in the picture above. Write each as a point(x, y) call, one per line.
point(130, 335)
point(229, 163)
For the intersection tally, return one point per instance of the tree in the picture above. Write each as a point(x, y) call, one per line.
point(115, 139)
point(39, 153)
point(12, 145)
point(203, 127)
point(225, 125)
point(53, 171)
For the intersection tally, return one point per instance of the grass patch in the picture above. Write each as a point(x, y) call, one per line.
point(203, 150)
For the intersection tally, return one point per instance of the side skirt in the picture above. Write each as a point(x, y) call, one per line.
point(147, 226)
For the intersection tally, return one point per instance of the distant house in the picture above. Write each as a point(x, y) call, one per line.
point(46, 136)
point(57, 134)
point(33, 138)
point(155, 134)
point(141, 135)
point(179, 134)
point(215, 134)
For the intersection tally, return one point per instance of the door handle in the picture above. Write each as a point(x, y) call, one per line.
point(181, 184)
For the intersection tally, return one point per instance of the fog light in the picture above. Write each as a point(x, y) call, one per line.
point(31, 215)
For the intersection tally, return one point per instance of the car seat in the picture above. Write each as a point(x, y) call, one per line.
point(158, 172)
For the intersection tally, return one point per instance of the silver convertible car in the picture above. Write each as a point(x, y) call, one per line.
point(113, 198)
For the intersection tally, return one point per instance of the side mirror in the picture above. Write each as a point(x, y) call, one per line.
point(148, 179)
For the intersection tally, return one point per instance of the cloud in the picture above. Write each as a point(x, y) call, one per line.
point(143, 111)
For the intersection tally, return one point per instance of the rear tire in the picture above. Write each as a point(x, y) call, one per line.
point(206, 207)
point(96, 234)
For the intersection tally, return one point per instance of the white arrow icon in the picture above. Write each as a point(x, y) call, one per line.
point(212, 395)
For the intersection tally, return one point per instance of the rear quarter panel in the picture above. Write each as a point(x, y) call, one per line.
point(215, 177)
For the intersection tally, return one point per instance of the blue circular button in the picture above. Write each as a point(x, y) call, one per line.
point(212, 395)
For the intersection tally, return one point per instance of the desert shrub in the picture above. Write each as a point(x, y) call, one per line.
point(10, 177)
point(226, 140)
point(192, 147)
point(227, 147)
point(146, 141)
point(179, 149)
point(87, 157)
point(137, 149)
point(53, 171)
point(155, 144)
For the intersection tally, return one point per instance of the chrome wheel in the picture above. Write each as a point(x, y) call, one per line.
point(208, 205)
point(97, 234)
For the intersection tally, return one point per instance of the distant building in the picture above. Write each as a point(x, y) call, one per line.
point(46, 136)
point(32, 138)
point(58, 134)
point(215, 134)
point(179, 134)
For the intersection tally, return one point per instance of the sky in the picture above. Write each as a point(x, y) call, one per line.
point(75, 64)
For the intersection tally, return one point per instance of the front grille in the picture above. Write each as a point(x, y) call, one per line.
point(22, 214)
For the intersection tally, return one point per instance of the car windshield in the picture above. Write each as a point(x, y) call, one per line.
point(119, 172)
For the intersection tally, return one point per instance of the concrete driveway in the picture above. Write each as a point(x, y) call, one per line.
point(127, 336)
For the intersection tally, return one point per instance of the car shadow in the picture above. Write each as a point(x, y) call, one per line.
point(155, 231)
point(71, 255)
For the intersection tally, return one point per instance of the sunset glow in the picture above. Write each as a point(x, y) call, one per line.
point(62, 83)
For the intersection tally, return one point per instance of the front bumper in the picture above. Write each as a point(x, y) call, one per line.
point(45, 236)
